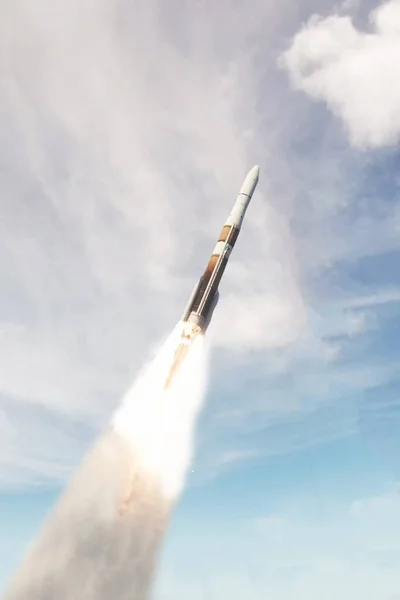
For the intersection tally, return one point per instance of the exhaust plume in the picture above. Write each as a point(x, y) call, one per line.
point(103, 537)
point(158, 419)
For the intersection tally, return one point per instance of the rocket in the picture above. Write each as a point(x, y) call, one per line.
point(205, 295)
point(204, 298)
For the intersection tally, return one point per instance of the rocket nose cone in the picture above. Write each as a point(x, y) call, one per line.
point(254, 173)
point(251, 181)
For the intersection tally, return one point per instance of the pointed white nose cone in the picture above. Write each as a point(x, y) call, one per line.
point(236, 215)
point(250, 182)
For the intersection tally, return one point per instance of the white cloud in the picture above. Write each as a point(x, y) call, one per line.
point(353, 71)
point(384, 296)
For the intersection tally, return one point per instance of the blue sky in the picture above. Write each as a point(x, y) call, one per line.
point(126, 133)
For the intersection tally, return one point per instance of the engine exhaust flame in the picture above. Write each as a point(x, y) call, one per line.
point(158, 414)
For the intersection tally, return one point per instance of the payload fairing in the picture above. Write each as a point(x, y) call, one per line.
point(204, 298)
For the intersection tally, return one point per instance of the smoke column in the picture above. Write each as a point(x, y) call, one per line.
point(102, 539)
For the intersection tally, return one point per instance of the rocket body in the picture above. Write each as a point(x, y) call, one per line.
point(205, 295)
point(204, 298)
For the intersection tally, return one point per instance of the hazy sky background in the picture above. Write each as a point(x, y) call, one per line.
point(126, 130)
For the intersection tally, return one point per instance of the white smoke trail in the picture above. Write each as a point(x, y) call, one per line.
point(102, 539)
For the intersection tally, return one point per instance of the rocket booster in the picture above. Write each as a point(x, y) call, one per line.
point(205, 295)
